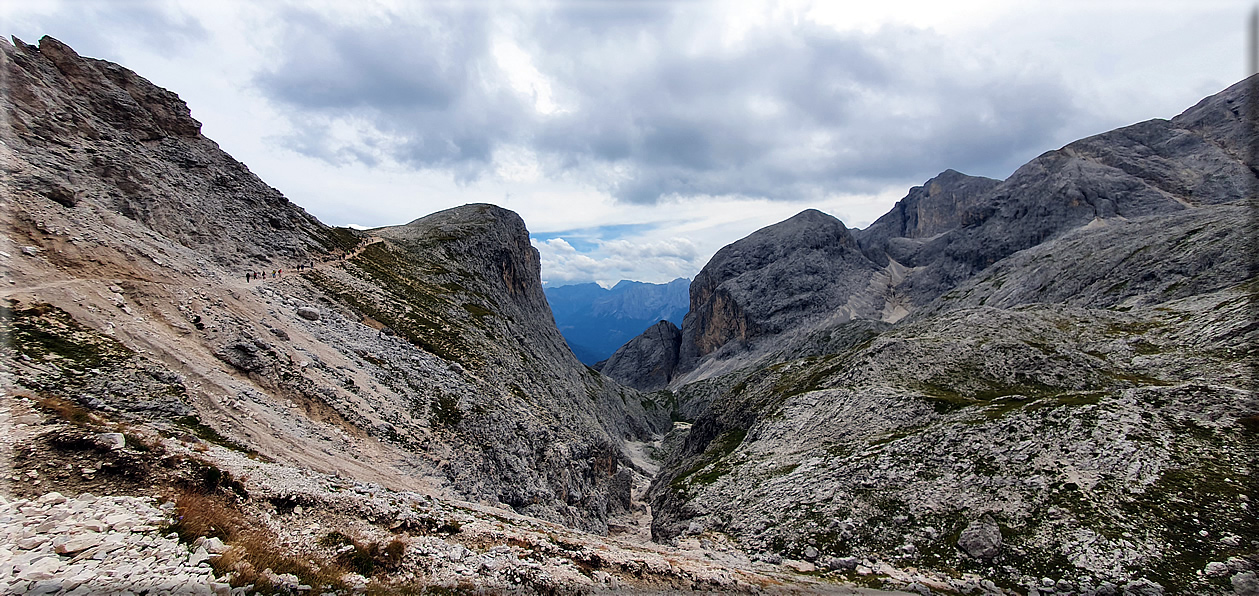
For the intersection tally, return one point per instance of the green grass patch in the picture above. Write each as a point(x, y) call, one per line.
point(209, 435)
point(46, 333)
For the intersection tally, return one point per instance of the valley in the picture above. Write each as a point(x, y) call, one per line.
point(1041, 385)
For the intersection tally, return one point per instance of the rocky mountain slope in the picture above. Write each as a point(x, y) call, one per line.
point(206, 390)
point(1040, 385)
point(813, 276)
point(647, 362)
point(596, 321)
point(420, 357)
point(1055, 389)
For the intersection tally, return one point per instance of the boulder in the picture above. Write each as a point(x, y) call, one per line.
point(981, 539)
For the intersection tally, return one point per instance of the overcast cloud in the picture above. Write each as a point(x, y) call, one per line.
point(637, 138)
point(650, 107)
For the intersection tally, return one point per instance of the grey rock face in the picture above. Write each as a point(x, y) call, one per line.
point(647, 362)
point(777, 278)
point(800, 276)
point(110, 441)
point(981, 539)
point(1154, 167)
point(940, 205)
point(1245, 584)
point(148, 161)
point(940, 420)
point(1122, 262)
point(1099, 290)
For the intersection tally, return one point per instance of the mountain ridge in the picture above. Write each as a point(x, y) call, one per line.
point(981, 428)
point(954, 226)
point(596, 321)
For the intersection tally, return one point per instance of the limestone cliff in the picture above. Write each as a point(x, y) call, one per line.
point(778, 278)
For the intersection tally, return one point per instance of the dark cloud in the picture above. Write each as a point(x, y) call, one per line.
point(417, 83)
point(787, 112)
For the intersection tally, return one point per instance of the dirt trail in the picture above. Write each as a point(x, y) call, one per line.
point(237, 281)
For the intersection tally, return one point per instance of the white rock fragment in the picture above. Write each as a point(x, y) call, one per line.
point(110, 441)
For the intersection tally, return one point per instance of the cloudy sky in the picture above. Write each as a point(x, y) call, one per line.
point(637, 137)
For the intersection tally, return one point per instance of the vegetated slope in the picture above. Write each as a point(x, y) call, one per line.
point(127, 239)
point(596, 321)
point(1067, 393)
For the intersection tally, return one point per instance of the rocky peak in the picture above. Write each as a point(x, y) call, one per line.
point(120, 96)
point(86, 131)
point(939, 205)
point(489, 240)
point(772, 280)
point(647, 362)
point(1222, 117)
point(808, 230)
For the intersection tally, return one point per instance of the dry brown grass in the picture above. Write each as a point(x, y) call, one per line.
point(206, 514)
point(255, 550)
point(69, 411)
point(253, 547)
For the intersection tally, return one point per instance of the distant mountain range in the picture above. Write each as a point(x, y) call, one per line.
point(595, 321)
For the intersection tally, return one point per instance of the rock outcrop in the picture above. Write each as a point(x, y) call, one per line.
point(647, 362)
point(147, 163)
point(782, 277)
point(943, 204)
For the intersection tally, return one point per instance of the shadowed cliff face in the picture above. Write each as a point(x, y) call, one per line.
point(648, 362)
point(942, 204)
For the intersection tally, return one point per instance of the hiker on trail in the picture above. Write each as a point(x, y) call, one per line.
point(246, 277)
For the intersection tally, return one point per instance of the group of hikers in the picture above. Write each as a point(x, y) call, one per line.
point(273, 274)
point(338, 255)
